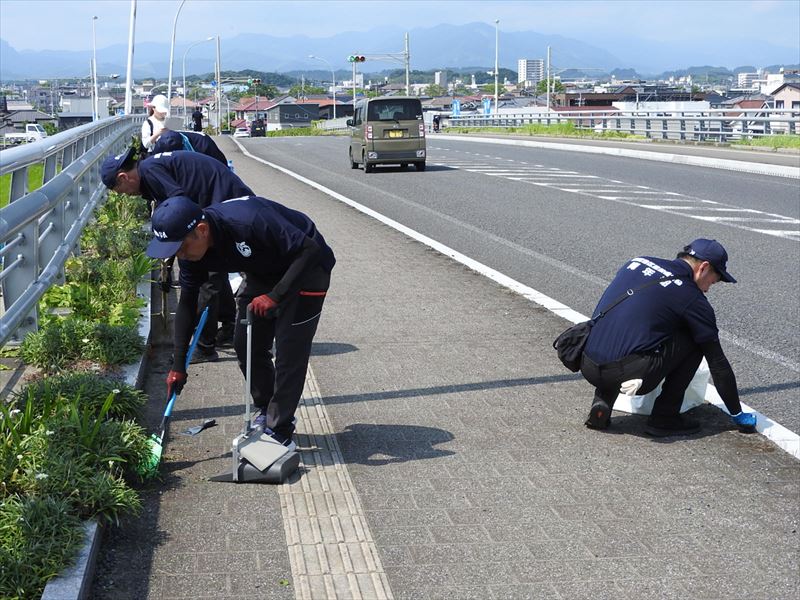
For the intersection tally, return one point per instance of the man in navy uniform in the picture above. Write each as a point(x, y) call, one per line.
point(661, 332)
point(286, 266)
point(206, 181)
point(174, 141)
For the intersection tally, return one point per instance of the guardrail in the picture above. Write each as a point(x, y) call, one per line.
point(718, 125)
point(40, 229)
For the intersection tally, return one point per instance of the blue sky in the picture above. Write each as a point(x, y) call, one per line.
point(67, 25)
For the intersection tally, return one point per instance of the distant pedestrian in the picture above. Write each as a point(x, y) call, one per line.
point(286, 267)
point(155, 123)
point(175, 141)
point(436, 123)
point(197, 120)
point(661, 332)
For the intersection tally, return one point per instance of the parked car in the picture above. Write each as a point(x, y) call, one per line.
point(387, 130)
point(241, 132)
point(33, 132)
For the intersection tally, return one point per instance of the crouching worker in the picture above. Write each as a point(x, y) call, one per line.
point(286, 267)
point(661, 332)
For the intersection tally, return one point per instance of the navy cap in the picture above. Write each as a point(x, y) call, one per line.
point(111, 166)
point(713, 252)
point(169, 141)
point(172, 220)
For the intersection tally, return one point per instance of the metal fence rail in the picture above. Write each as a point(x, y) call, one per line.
point(717, 125)
point(39, 230)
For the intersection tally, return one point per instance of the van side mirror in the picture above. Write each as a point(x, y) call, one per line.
point(349, 122)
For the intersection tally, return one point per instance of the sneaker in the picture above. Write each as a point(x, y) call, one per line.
point(599, 416)
point(281, 439)
point(260, 421)
point(225, 335)
point(659, 426)
point(203, 355)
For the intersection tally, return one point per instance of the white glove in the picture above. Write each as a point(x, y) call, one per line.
point(630, 387)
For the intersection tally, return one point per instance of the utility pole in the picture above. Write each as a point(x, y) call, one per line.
point(219, 97)
point(408, 68)
point(548, 79)
point(496, 62)
point(128, 79)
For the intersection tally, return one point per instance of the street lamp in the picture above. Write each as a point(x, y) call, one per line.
point(171, 53)
point(496, 56)
point(208, 39)
point(95, 111)
point(333, 80)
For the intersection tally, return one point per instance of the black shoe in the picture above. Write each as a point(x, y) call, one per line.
point(204, 355)
point(659, 426)
point(225, 335)
point(599, 416)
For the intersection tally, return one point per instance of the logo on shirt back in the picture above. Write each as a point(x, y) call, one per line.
point(243, 249)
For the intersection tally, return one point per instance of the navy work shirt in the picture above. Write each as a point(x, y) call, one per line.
point(199, 141)
point(649, 317)
point(253, 235)
point(200, 177)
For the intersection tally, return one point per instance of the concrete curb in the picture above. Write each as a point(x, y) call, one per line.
point(75, 583)
point(678, 159)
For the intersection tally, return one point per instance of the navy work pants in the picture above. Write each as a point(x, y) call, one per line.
point(675, 361)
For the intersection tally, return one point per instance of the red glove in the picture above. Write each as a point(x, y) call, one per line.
point(263, 306)
point(175, 382)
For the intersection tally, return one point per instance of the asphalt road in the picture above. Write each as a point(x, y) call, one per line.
point(563, 222)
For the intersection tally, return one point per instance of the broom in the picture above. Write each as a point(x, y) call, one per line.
point(149, 467)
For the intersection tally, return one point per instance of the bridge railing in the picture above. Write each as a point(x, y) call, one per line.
point(715, 125)
point(40, 229)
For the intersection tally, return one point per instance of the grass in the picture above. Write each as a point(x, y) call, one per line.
point(554, 130)
point(303, 131)
point(35, 176)
point(772, 141)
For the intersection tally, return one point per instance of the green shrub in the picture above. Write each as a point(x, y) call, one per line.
point(62, 343)
point(88, 389)
point(38, 538)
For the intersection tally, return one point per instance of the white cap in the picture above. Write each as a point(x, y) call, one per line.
point(160, 104)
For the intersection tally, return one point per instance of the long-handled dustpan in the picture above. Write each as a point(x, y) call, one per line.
point(255, 456)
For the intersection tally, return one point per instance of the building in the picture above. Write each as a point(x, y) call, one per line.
point(288, 116)
point(747, 81)
point(440, 78)
point(530, 71)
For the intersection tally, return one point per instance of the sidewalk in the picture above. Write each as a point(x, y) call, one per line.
point(444, 456)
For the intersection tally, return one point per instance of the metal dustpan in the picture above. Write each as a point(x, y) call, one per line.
point(255, 456)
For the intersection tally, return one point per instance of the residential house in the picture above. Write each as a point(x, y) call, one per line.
point(786, 97)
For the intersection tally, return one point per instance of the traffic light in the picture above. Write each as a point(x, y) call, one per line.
point(256, 82)
point(356, 58)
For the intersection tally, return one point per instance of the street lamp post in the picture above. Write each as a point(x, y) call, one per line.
point(95, 111)
point(171, 54)
point(208, 39)
point(333, 80)
point(496, 66)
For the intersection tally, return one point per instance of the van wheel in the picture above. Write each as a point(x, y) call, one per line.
point(420, 166)
point(368, 167)
point(353, 164)
point(403, 165)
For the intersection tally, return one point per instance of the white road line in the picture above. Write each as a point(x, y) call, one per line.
point(785, 439)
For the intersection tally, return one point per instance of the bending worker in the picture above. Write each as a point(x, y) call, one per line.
point(175, 141)
point(206, 181)
point(286, 267)
point(661, 332)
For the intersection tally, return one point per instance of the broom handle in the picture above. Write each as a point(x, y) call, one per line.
point(198, 330)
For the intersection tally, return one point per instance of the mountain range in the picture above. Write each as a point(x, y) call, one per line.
point(435, 47)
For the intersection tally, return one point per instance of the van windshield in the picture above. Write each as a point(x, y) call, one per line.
point(406, 109)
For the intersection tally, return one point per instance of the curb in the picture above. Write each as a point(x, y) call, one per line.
point(679, 159)
point(75, 583)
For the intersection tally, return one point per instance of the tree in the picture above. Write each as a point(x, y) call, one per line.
point(299, 91)
point(489, 88)
point(555, 86)
point(435, 90)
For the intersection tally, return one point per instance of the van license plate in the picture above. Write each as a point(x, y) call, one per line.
point(395, 133)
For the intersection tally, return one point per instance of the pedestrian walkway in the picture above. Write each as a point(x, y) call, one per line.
point(444, 456)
